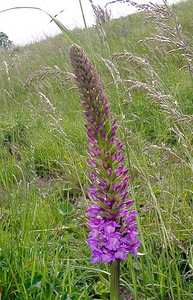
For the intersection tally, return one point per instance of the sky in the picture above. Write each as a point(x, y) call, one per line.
point(24, 26)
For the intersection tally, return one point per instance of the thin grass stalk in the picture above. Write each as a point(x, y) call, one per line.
point(87, 32)
point(132, 191)
point(69, 36)
point(181, 37)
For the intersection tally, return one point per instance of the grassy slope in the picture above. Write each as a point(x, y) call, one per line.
point(43, 251)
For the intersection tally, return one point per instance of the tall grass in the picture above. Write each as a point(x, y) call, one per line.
point(146, 70)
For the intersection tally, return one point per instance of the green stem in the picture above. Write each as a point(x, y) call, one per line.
point(115, 276)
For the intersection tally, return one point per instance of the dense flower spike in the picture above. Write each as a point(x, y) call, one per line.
point(113, 228)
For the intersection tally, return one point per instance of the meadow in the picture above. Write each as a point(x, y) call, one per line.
point(144, 62)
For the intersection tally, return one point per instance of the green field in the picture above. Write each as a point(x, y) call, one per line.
point(144, 62)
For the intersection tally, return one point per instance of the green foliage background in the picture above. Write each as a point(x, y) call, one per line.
point(43, 177)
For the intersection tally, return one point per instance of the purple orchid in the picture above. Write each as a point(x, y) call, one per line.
point(111, 220)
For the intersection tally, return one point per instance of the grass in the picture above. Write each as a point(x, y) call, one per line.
point(43, 177)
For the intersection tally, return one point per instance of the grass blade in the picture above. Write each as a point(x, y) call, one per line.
point(70, 37)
